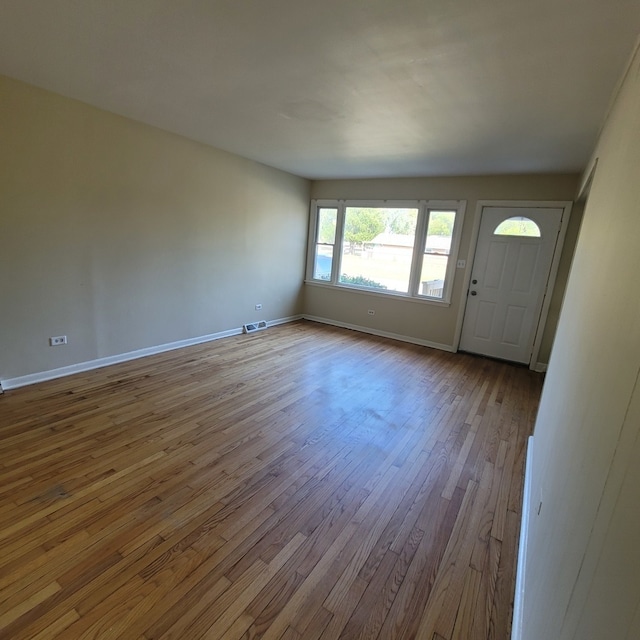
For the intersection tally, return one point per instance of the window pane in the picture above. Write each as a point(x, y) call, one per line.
point(378, 247)
point(518, 226)
point(326, 237)
point(327, 225)
point(436, 253)
point(323, 261)
point(440, 232)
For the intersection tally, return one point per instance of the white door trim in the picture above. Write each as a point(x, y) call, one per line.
point(565, 205)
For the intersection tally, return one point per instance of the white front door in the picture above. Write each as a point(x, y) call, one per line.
point(508, 280)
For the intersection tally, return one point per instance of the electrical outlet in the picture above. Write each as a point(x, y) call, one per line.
point(259, 306)
point(57, 341)
point(371, 312)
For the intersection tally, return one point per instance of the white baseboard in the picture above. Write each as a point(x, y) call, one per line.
point(540, 367)
point(52, 374)
point(382, 334)
point(518, 603)
point(273, 323)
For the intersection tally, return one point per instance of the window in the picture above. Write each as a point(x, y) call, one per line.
point(436, 250)
point(325, 241)
point(404, 249)
point(518, 226)
point(378, 247)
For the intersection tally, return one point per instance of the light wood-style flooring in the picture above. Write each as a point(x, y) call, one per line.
point(304, 482)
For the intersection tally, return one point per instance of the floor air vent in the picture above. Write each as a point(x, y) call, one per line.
point(254, 326)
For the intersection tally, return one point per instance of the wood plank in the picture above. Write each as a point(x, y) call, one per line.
point(305, 482)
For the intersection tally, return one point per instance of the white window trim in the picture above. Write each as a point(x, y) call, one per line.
point(424, 208)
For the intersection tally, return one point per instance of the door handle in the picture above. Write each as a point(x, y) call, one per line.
point(474, 293)
point(474, 282)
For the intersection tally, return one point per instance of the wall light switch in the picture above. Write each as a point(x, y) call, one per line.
point(461, 264)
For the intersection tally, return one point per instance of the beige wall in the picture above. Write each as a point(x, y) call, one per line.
point(433, 322)
point(582, 570)
point(122, 236)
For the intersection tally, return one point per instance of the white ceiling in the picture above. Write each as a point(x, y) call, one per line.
point(341, 88)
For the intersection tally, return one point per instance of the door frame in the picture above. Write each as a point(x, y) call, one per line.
point(565, 205)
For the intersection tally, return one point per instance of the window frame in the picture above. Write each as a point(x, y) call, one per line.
point(425, 208)
point(317, 242)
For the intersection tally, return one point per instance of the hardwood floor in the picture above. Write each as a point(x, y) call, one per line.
point(305, 482)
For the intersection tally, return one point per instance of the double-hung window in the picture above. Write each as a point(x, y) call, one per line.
point(325, 241)
point(405, 249)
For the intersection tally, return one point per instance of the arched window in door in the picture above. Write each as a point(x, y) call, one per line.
point(518, 226)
